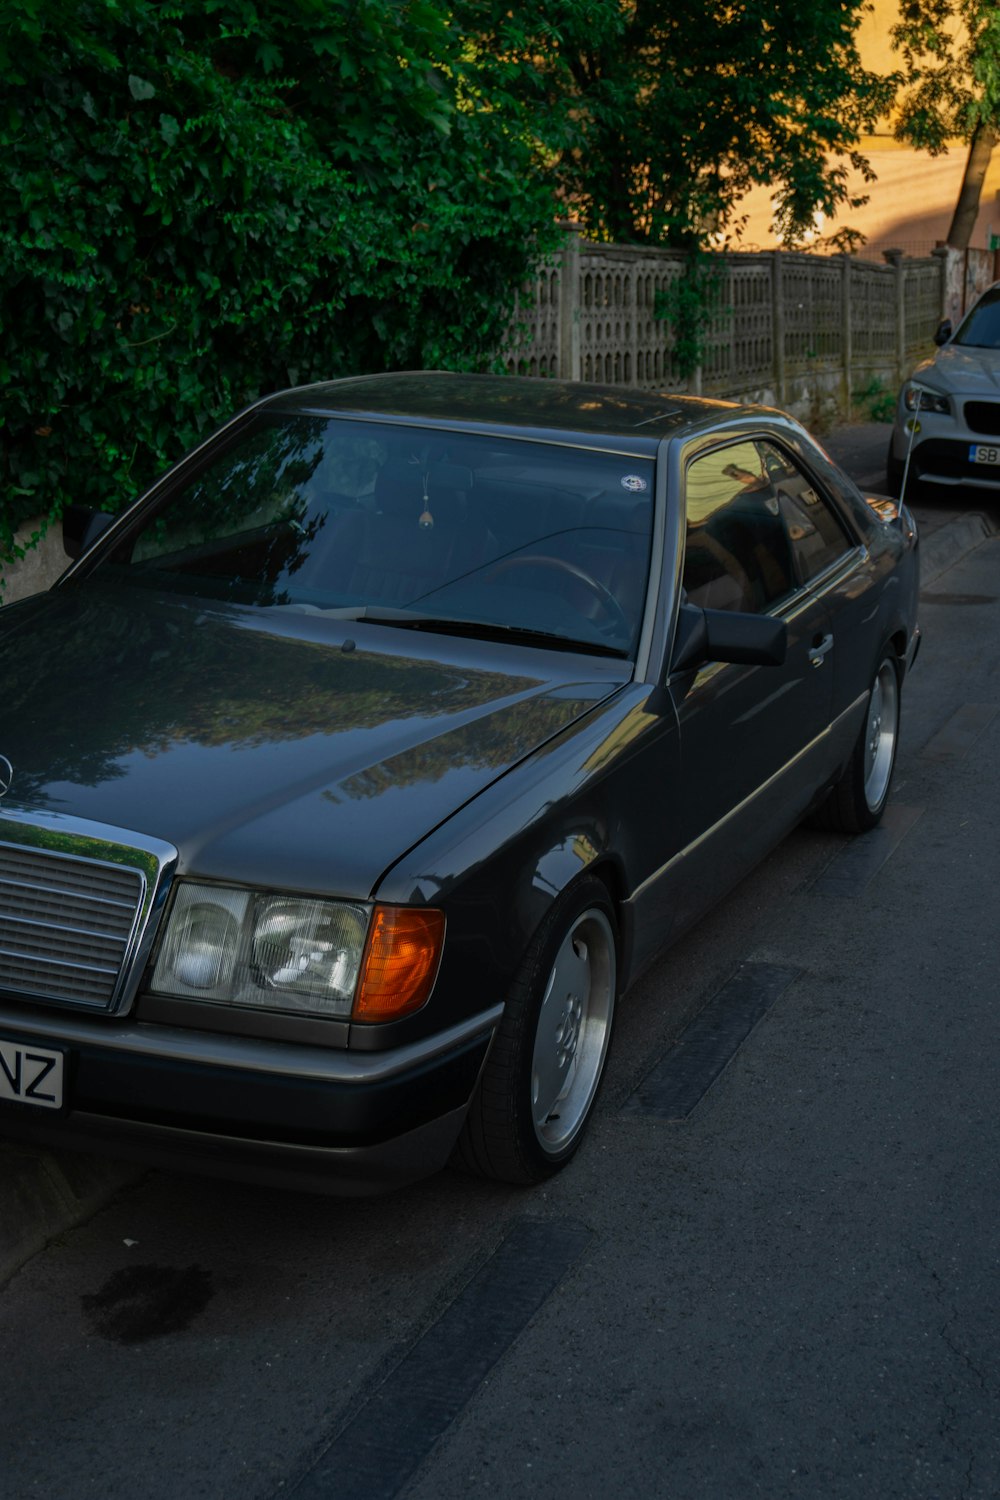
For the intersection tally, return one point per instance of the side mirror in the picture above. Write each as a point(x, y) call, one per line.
point(81, 527)
point(705, 635)
point(943, 333)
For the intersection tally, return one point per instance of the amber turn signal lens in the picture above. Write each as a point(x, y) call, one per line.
point(400, 962)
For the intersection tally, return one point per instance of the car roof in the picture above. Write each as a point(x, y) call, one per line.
point(634, 420)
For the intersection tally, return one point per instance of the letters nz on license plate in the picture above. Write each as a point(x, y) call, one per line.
point(984, 453)
point(31, 1075)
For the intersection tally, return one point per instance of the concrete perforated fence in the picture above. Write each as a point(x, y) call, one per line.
point(795, 330)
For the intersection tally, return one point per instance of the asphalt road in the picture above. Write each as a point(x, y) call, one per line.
point(783, 1282)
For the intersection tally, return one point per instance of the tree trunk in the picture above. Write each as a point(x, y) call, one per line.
point(984, 138)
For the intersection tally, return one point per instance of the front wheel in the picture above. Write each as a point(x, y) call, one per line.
point(540, 1082)
point(856, 803)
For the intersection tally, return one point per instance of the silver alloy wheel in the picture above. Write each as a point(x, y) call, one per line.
point(880, 734)
point(574, 1027)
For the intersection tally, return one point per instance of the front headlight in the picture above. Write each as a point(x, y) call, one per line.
point(918, 398)
point(310, 949)
point(267, 951)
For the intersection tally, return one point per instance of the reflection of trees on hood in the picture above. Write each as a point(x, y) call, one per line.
point(96, 677)
point(490, 742)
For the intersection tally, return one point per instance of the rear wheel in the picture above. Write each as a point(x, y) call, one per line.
point(858, 800)
point(540, 1081)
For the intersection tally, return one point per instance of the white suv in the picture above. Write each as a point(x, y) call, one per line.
point(947, 426)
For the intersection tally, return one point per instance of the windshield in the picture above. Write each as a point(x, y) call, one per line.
point(981, 329)
point(321, 514)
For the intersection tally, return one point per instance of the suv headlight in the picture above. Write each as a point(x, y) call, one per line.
point(280, 952)
point(918, 398)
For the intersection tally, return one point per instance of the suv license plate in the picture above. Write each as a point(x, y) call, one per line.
point(31, 1075)
point(983, 453)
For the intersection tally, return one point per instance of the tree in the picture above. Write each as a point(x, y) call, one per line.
point(203, 200)
point(658, 116)
point(951, 56)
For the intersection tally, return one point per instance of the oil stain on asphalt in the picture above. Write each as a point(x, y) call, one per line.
point(145, 1302)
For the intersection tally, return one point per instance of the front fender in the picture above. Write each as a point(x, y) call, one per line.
point(497, 866)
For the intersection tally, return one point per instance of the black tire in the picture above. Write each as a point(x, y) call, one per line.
point(856, 803)
point(541, 1079)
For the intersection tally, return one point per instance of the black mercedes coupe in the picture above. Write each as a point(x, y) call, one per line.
point(350, 777)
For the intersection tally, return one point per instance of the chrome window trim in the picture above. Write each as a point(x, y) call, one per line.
point(832, 575)
point(85, 842)
point(655, 571)
point(734, 812)
point(656, 645)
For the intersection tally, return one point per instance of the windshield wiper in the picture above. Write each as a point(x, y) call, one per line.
point(489, 630)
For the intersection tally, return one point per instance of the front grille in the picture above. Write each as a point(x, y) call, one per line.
point(984, 417)
point(65, 925)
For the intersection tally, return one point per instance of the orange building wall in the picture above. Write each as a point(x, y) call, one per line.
point(912, 201)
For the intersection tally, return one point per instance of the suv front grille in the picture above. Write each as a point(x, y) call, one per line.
point(983, 416)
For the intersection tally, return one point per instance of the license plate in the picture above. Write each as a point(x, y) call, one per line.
point(31, 1075)
point(983, 453)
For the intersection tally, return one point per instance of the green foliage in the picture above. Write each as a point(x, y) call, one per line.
point(951, 53)
point(659, 116)
point(951, 56)
point(875, 402)
point(204, 200)
point(691, 303)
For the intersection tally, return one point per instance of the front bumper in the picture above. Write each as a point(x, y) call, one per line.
point(941, 446)
point(287, 1115)
point(945, 461)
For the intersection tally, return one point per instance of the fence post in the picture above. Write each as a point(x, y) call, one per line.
point(941, 254)
point(847, 339)
point(778, 325)
point(569, 307)
point(894, 258)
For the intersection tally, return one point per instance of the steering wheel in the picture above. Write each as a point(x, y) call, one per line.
point(594, 586)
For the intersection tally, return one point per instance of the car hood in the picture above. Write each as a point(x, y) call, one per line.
point(962, 368)
point(267, 746)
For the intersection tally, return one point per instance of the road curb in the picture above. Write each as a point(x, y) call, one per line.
point(44, 1194)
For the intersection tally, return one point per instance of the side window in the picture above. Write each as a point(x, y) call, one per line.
point(737, 554)
point(816, 536)
point(757, 528)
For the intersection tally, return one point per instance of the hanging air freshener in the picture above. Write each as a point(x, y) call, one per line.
point(426, 519)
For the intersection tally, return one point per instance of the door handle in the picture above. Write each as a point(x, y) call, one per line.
point(818, 650)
